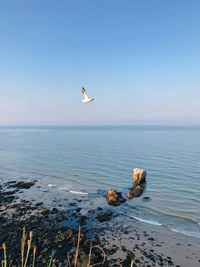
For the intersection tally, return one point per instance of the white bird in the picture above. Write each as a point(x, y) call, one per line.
point(86, 99)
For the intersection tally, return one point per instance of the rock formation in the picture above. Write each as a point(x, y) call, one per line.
point(139, 176)
point(135, 191)
point(114, 198)
point(139, 180)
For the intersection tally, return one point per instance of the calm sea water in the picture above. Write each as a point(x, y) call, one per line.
point(87, 159)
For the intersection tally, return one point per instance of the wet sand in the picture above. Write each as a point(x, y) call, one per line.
point(55, 231)
point(152, 246)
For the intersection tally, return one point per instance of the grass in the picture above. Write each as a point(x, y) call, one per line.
point(73, 260)
point(4, 261)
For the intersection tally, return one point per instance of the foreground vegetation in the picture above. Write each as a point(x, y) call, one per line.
point(28, 257)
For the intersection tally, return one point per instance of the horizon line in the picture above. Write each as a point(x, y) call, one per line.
point(105, 124)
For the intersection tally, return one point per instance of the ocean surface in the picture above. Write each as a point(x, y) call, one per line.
point(85, 160)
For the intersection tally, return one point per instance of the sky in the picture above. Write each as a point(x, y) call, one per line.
point(139, 60)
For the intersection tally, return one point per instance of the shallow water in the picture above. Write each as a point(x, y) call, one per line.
point(86, 159)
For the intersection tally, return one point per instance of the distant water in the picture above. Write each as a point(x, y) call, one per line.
point(86, 159)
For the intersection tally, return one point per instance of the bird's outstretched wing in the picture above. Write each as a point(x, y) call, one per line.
point(84, 91)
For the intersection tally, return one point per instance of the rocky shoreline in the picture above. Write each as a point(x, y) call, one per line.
point(55, 233)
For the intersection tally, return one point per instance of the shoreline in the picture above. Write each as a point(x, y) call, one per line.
point(55, 232)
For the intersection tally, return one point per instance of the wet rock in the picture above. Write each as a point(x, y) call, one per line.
point(78, 210)
point(22, 184)
point(68, 233)
point(129, 259)
point(82, 219)
point(104, 216)
point(91, 211)
point(139, 176)
point(9, 183)
point(135, 191)
point(60, 217)
point(114, 198)
point(54, 210)
point(45, 212)
point(39, 204)
point(146, 199)
point(7, 200)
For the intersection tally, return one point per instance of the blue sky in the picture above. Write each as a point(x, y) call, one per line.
point(140, 60)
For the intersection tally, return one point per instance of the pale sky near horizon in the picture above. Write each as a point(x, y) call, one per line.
point(140, 60)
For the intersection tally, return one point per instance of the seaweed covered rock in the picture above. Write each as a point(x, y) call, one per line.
point(114, 198)
point(135, 191)
point(20, 184)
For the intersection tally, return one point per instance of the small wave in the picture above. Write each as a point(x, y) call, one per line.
point(78, 192)
point(185, 232)
point(148, 221)
point(51, 185)
point(162, 214)
point(177, 230)
point(64, 187)
point(67, 189)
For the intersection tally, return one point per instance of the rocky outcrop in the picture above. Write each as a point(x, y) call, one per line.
point(114, 198)
point(139, 180)
point(135, 191)
point(139, 176)
point(104, 216)
point(20, 184)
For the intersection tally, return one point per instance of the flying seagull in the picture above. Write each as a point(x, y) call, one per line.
point(86, 99)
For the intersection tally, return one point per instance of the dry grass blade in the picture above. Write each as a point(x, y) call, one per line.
point(29, 247)
point(4, 261)
point(104, 256)
point(34, 253)
point(68, 260)
point(77, 249)
point(132, 263)
point(23, 241)
point(89, 256)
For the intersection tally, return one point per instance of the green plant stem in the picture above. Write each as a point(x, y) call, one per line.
point(50, 262)
point(27, 254)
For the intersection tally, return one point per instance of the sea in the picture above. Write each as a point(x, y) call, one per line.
point(88, 160)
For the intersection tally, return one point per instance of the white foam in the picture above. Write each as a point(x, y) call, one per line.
point(184, 232)
point(67, 189)
point(148, 221)
point(78, 192)
point(64, 187)
point(51, 185)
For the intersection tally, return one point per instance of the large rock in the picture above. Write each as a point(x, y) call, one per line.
point(135, 191)
point(114, 198)
point(139, 176)
point(21, 184)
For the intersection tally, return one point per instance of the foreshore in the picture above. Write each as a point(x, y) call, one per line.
point(116, 241)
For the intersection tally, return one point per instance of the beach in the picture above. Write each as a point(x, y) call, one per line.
point(55, 232)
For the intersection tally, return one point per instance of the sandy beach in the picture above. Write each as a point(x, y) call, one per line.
point(55, 232)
